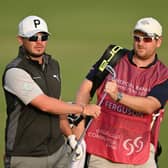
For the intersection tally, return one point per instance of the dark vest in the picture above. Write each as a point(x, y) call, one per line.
point(29, 131)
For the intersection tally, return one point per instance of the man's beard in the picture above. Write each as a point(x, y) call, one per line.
point(35, 55)
point(30, 54)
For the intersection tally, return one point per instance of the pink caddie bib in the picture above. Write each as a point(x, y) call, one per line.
point(120, 134)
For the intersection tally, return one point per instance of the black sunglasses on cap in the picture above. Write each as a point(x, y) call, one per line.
point(36, 38)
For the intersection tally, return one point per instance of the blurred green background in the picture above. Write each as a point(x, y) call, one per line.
point(81, 30)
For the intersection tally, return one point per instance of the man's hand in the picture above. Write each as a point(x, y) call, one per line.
point(112, 89)
point(91, 110)
point(78, 151)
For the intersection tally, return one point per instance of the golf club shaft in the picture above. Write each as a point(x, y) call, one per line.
point(113, 75)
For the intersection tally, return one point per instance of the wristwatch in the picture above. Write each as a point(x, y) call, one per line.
point(119, 96)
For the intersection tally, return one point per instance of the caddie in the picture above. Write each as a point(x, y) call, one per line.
point(125, 135)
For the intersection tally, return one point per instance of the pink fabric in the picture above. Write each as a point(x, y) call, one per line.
point(118, 138)
point(121, 134)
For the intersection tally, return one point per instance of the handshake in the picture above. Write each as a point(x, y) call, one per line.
point(79, 151)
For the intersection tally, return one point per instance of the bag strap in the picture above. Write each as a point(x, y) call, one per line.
point(159, 114)
point(111, 56)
